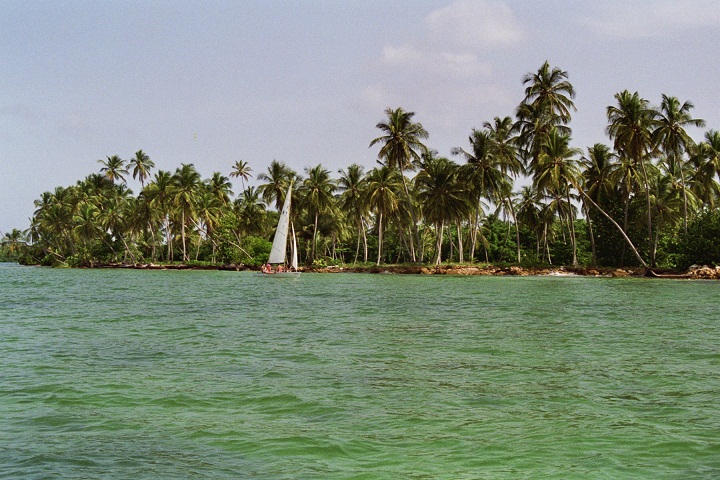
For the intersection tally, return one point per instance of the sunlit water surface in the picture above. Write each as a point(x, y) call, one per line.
point(193, 374)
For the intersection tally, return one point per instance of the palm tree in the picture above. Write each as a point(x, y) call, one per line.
point(241, 170)
point(442, 197)
point(705, 167)
point(86, 223)
point(486, 170)
point(278, 178)
point(352, 202)
point(547, 104)
point(402, 147)
point(596, 179)
point(630, 126)
point(529, 212)
point(11, 241)
point(383, 185)
point(250, 211)
point(185, 182)
point(220, 188)
point(141, 165)
point(504, 149)
point(113, 168)
point(317, 196)
point(555, 172)
point(670, 134)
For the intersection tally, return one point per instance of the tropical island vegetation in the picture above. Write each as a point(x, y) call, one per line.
point(517, 193)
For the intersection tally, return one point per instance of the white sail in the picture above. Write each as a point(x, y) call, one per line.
point(294, 263)
point(279, 246)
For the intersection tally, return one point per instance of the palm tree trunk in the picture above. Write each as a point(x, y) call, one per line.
point(365, 244)
point(473, 236)
point(517, 227)
point(571, 221)
point(649, 215)
point(380, 237)
point(590, 232)
point(182, 235)
point(357, 249)
point(438, 242)
point(314, 242)
point(460, 242)
point(626, 220)
point(413, 215)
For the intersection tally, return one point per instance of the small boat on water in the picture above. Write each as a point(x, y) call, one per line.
point(278, 253)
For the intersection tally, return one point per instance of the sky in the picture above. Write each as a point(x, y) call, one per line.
point(305, 82)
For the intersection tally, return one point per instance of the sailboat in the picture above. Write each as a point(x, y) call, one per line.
point(278, 253)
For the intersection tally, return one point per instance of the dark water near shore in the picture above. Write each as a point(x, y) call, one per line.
point(201, 374)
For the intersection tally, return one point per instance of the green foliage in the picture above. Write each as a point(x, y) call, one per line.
point(701, 246)
point(256, 251)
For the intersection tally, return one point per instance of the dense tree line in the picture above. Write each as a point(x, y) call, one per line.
point(518, 192)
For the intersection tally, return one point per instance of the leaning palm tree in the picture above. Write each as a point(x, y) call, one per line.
point(383, 187)
point(113, 168)
point(671, 121)
point(141, 166)
point(241, 170)
point(631, 123)
point(402, 147)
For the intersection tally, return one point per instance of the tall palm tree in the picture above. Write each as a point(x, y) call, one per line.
point(670, 123)
point(529, 213)
point(402, 147)
point(241, 170)
point(442, 197)
point(278, 179)
point(185, 182)
point(383, 187)
point(597, 182)
point(113, 168)
point(220, 188)
point(705, 167)
point(631, 124)
point(556, 172)
point(548, 104)
point(486, 172)
point(250, 211)
point(12, 240)
point(141, 166)
point(317, 192)
point(352, 201)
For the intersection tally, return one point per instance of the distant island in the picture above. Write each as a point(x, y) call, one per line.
point(518, 193)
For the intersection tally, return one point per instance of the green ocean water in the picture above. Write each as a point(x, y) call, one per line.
point(227, 375)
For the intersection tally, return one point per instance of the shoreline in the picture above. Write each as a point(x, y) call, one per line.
point(695, 272)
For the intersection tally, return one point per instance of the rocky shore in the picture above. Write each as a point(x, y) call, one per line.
point(695, 272)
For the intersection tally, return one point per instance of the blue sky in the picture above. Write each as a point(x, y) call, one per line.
point(305, 83)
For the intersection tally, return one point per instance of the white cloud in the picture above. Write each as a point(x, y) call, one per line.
point(475, 24)
point(651, 18)
point(446, 73)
